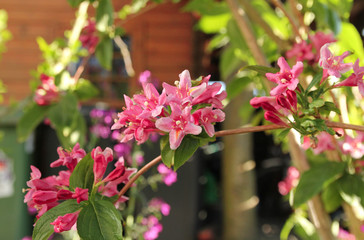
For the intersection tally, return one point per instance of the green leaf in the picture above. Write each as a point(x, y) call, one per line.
point(99, 220)
point(283, 134)
point(43, 229)
point(331, 197)
point(317, 103)
point(83, 175)
point(166, 152)
point(85, 89)
point(213, 23)
point(352, 192)
point(32, 116)
point(188, 147)
point(350, 40)
point(316, 79)
point(104, 53)
point(104, 15)
point(262, 70)
point(68, 121)
point(74, 3)
point(206, 7)
point(315, 179)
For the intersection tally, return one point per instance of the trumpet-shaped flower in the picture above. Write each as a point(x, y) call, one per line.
point(207, 116)
point(334, 65)
point(355, 79)
point(286, 78)
point(178, 124)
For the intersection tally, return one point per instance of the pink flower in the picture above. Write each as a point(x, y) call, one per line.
point(184, 92)
point(324, 143)
point(178, 124)
point(44, 197)
point(154, 228)
point(333, 64)
point(207, 117)
point(355, 79)
point(345, 235)
point(151, 102)
point(146, 77)
point(47, 93)
point(80, 194)
point(319, 39)
point(69, 158)
point(160, 205)
point(101, 159)
point(88, 37)
point(66, 222)
point(287, 78)
point(300, 52)
point(353, 146)
point(290, 181)
point(168, 175)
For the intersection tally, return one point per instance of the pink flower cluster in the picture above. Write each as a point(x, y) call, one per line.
point(44, 194)
point(168, 175)
point(310, 51)
point(157, 204)
point(179, 110)
point(283, 99)
point(290, 181)
point(153, 227)
point(47, 92)
point(88, 37)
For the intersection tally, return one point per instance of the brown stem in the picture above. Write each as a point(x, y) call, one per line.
point(81, 68)
point(138, 174)
point(233, 132)
point(126, 55)
point(299, 16)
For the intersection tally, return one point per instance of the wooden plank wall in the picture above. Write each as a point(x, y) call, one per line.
point(162, 40)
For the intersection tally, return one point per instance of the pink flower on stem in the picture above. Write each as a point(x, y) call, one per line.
point(135, 126)
point(286, 78)
point(66, 222)
point(184, 92)
point(47, 93)
point(160, 205)
point(69, 158)
point(101, 159)
point(44, 197)
point(80, 194)
point(331, 64)
point(353, 146)
point(154, 228)
point(355, 79)
point(290, 181)
point(324, 143)
point(319, 39)
point(168, 175)
point(178, 125)
point(151, 102)
point(88, 37)
point(206, 117)
point(300, 52)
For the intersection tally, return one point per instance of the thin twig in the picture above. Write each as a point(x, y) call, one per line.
point(248, 130)
point(81, 68)
point(280, 6)
point(299, 16)
point(126, 55)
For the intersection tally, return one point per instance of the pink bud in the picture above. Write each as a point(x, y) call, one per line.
point(65, 223)
point(292, 98)
point(64, 194)
point(80, 194)
point(272, 117)
point(116, 173)
point(44, 197)
point(283, 102)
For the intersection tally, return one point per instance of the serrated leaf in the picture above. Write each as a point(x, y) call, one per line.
point(104, 52)
point(315, 179)
point(83, 175)
point(43, 229)
point(32, 116)
point(316, 79)
point(99, 220)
